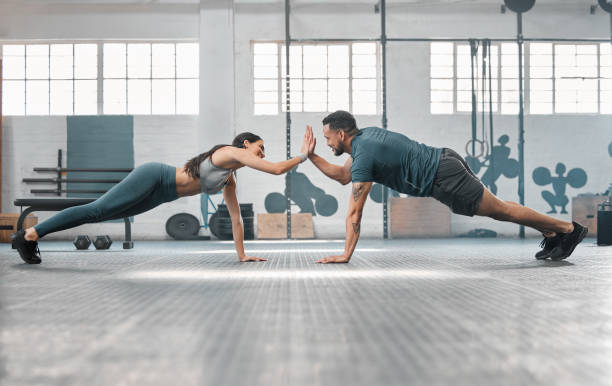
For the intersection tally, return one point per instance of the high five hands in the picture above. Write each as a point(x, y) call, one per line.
point(309, 143)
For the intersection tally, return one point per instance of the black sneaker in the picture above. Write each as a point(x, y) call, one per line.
point(28, 250)
point(569, 242)
point(548, 244)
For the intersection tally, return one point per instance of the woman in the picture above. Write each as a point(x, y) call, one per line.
point(152, 184)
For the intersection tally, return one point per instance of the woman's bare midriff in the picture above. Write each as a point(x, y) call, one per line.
point(185, 184)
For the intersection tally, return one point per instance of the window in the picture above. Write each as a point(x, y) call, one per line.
point(464, 78)
point(150, 78)
point(562, 78)
point(265, 73)
point(540, 78)
point(509, 78)
point(138, 78)
point(322, 78)
point(575, 71)
point(442, 76)
point(49, 79)
point(605, 73)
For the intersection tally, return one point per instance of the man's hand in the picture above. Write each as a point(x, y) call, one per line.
point(307, 142)
point(334, 259)
point(313, 140)
point(251, 258)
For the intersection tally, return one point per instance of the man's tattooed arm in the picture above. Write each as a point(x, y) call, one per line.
point(358, 189)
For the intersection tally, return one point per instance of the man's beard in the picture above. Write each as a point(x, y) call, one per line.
point(339, 150)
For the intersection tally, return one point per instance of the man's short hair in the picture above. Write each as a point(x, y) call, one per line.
point(342, 120)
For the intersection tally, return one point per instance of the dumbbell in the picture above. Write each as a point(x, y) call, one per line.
point(82, 242)
point(102, 242)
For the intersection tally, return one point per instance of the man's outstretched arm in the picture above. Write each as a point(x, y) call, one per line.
point(359, 194)
point(342, 174)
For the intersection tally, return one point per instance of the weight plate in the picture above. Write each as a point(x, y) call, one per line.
point(182, 226)
point(519, 5)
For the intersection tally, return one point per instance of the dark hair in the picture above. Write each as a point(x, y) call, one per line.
point(192, 167)
point(342, 120)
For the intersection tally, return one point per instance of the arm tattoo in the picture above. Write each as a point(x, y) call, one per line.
point(357, 191)
point(356, 227)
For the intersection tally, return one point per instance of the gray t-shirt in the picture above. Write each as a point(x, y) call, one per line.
point(394, 160)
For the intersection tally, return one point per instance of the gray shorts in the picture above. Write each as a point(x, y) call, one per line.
point(456, 186)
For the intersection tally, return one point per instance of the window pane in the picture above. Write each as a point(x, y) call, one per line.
point(139, 60)
point(163, 97)
point(444, 49)
point(338, 94)
point(61, 97)
point(85, 61)
point(86, 97)
point(115, 60)
point(295, 60)
point(364, 48)
point(163, 61)
point(115, 96)
point(360, 108)
point(13, 97)
point(139, 96)
point(37, 61)
point(13, 62)
point(61, 62)
point(37, 97)
point(187, 96)
point(265, 72)
point(338, 62)
point(364, 96)
point(265, 85)
point(364, 72)
point(187, 60)
point(315, 62)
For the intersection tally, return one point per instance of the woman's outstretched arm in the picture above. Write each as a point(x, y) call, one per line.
point(249, 159)
point(229, 194)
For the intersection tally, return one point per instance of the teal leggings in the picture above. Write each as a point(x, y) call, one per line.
point(146, 187)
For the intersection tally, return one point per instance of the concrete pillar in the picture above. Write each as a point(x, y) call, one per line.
point(216, 72)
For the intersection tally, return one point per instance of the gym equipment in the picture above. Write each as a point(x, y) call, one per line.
point(60, 203)
point(103, 242)
point(606, 5)
point(82, 242)
point(184, 226)
point(520, 6)
point(604, 223)
point(221, 223)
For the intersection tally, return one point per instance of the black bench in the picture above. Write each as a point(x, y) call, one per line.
point(57, 204)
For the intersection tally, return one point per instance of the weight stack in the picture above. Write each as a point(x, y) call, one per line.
point(604, 227)
point(221, 223)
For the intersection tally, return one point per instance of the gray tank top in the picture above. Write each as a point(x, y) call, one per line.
point(212, 178)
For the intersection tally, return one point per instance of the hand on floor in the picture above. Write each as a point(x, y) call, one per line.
point(334, 259)
point(251, 258)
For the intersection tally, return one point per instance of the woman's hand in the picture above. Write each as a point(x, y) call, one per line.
point(251, 258)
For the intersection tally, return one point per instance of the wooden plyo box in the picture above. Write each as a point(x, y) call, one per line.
point(419, 217)
point(274, 226)
point(8, 225)
point(584, 210)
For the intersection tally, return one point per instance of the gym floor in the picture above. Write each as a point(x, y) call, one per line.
point(403, 312)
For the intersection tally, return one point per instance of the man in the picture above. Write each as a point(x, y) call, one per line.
point(406, 166)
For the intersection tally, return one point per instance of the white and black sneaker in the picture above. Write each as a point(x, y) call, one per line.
point(28, 250)
point(547, 245)
point(569, 241)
